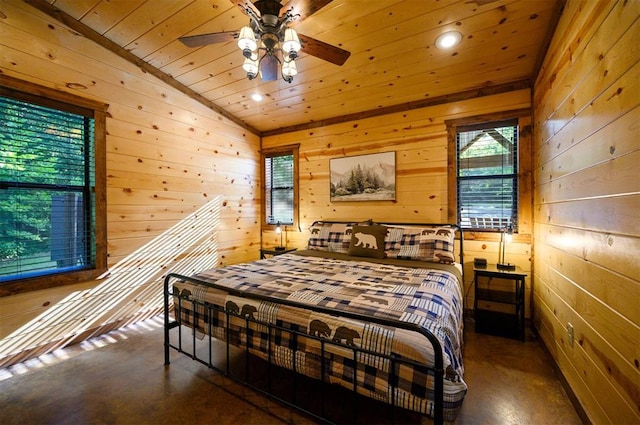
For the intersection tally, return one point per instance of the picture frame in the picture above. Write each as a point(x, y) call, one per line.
point(370, 177)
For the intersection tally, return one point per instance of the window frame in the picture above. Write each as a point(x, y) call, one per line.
point(277, 151)
point(33, 93)
point(524, 183)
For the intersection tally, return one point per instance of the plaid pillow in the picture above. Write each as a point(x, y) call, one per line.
point(333, 237)
point(435, 244)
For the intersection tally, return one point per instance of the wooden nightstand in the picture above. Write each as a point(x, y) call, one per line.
point(499, 305)
point(271, 252)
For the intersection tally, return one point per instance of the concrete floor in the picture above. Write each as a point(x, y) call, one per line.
point(120, 378)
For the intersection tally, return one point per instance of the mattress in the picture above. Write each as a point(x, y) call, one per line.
point(426, 294)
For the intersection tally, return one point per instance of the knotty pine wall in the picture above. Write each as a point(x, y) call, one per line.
point(419, 138)
point(587, 205)
point(167, 157)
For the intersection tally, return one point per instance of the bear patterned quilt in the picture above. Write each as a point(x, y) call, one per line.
point(431, 298)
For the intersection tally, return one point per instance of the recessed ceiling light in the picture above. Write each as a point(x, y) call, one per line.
point(257, 97)
point(448, 40)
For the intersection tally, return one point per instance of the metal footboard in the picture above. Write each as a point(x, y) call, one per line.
point(437, 368)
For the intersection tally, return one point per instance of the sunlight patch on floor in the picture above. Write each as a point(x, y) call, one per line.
point(69, 352)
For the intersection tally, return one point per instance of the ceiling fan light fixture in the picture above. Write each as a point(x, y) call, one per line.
point(250, 66)
point(247, 40)
point(267, 43)
point(289, 70)
point(448, 40)
point(291, 42)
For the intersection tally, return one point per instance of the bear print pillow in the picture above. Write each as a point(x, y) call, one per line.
point(368, 241)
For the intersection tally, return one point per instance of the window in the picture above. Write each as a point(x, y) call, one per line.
point(488, 176)
point(281, 186)
point(49, 201)
point(486, 173)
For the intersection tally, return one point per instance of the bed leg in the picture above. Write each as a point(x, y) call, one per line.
point(438, 396)
point(166, 321)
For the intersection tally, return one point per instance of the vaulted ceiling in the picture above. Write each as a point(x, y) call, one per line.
point(394, 63)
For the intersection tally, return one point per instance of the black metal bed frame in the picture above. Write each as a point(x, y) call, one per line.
point(437, 368)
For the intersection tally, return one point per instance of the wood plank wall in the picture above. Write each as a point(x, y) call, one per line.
point(167, 156)
point(419, 138)
point(587, 205)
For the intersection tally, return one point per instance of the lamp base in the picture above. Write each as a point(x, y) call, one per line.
point(506, 266)
point(280, 248)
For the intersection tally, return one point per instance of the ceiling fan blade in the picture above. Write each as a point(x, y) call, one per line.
point(324, 51)
point(241, 4)
point(305, 8)
point(211, 38)
point(269, 68)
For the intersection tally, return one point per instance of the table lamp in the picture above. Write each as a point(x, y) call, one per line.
point(505, 237)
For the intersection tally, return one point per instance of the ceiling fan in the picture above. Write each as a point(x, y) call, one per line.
point(268, 41)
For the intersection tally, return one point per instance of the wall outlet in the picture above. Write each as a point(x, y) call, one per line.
point(570, 334)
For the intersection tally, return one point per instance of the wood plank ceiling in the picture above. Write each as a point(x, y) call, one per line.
point(394, 63)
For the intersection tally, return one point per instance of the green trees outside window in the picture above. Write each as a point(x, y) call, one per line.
point(47, 199)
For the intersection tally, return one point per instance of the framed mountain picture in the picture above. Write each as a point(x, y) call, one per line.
point(369, 177)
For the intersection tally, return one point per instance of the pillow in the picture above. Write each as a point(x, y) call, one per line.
point(332, 237)
point(368, 241)
point(435, 244)
point(444, 244)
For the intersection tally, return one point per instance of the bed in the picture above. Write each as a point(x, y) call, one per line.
point(372, 307)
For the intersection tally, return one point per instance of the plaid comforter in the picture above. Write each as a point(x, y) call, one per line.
point(431, 298)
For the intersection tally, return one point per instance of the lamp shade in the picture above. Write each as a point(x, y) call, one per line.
point(280, 247)
point(505, 237)
point(291, 41)
point(250, 66)
point(289, 68)
point(508, 237)
point(247, 39)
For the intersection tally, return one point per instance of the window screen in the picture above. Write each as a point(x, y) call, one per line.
point(279, 188)
point(46, 189)
point(487, 180)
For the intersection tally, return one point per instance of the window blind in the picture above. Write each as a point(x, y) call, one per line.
point(487, 180)
point(279, 187)
point(46, 181)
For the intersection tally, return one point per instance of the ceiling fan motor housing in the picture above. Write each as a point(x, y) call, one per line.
point(269, 21)
point(268, 7)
